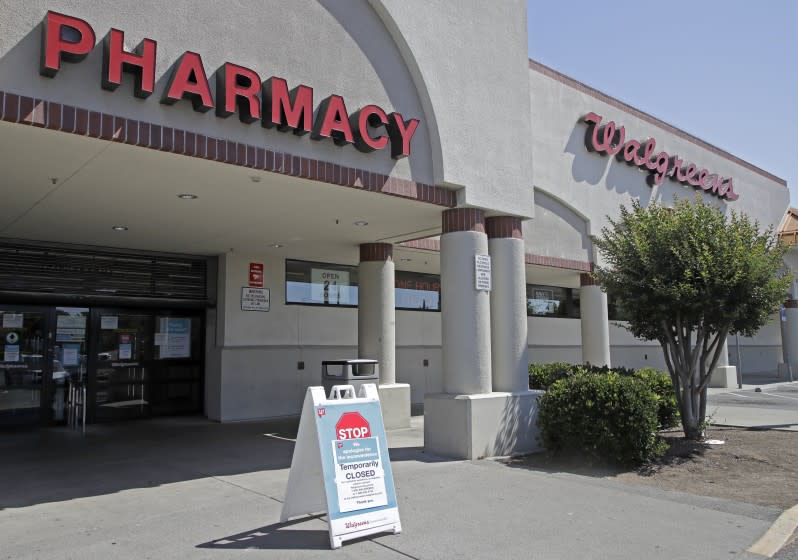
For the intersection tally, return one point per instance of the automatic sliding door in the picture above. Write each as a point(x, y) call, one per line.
point(24, 364)
point(176, 379)
point(122, 355)
point(70, 353)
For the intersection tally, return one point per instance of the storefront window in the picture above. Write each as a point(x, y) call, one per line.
point(418, 291)
point(552, 301)
point(314, 283)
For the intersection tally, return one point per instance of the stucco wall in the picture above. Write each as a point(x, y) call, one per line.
point(257, 374)
point(472, 58)
point(557, 230)
point(598, 185)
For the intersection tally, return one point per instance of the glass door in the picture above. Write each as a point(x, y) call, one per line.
point(177, 369)
point(70, 354)
point(121, 357)
point(24, 364)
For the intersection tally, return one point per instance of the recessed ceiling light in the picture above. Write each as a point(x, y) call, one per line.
point(187, 196)
point(119, 228)
point(275, 245)
point(361, 223)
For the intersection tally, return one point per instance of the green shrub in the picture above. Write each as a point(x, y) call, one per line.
point(661, 385)
point(606, 416)
point(543, 376)
point(622, 371)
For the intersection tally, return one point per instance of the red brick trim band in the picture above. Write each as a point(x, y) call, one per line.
point(587, 280)
point(382, 252)
point(499, 227)
point(66, 118)
point(604, 98)
point(540, 260)
point(558, 262)
point(423, 244)
point(463, 219)
point(791, 304)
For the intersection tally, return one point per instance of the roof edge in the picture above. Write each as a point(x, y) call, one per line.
point(601, 96)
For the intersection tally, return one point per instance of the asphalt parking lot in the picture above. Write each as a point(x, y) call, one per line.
point(783, 396)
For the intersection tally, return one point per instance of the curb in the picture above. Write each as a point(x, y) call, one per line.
point(778, 534)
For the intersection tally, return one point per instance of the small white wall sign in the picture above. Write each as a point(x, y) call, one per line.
point(255, 299)
point(482, 272)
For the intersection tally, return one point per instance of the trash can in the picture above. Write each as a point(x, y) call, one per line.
point(349, 372)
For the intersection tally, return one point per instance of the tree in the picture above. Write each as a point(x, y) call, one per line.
point(687, 277)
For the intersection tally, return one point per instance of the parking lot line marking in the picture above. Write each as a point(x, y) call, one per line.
point(781, 396)
point(275, 436)
point(741, 396)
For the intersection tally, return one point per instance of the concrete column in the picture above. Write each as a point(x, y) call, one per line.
point(465, 311)
point(468, 420)
point(789, 340)
point(376, 310)
point(508, 320)
point(595, 323)
point(376, 329)
point(724, 375)
point(723, 359)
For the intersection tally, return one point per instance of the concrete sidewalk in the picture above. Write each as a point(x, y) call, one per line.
point(188, 488)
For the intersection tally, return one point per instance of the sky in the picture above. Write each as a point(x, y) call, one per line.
point(725, 71)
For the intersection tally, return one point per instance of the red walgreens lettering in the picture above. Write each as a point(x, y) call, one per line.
point(238, 89)
point(609, 139)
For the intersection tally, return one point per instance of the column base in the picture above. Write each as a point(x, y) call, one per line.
point(784, 371)
point(395, 402)
point(723, 377)
point(483, 425)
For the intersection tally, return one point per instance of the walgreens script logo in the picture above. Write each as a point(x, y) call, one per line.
point(611, 140)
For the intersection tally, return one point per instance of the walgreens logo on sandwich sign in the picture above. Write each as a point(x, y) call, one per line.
point(611, 139)
point(238, 89)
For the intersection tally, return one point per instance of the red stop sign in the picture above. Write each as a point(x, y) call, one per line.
point(352, 425)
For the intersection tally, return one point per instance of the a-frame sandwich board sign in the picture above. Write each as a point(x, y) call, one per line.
point(341, 466)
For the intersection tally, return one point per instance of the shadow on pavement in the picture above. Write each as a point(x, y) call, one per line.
point(275, 537)
point(56, 464)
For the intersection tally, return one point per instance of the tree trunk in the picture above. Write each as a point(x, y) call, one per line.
point(691, 425)
point(690, 367)
point(702, 415)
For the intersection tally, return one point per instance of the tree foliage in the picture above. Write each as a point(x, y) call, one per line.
point(688, 276)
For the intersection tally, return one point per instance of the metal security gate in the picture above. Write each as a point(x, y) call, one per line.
point(36, 272)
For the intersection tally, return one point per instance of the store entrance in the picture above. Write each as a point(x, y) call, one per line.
point(134, 363)
point(24, 367)
point(146, 363)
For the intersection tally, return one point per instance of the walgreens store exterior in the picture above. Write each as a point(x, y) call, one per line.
point(202, 205)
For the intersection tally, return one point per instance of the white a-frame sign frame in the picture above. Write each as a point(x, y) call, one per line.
point(341, 465)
